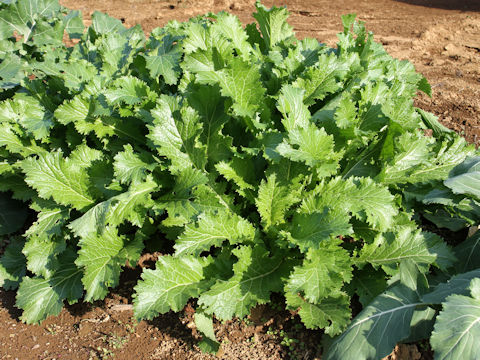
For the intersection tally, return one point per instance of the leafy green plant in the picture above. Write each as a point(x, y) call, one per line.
point(255, 162)
point(442, 306)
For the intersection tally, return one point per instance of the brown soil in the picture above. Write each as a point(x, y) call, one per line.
point(440, 37)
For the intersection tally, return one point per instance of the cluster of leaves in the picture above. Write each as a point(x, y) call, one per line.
point(444, 305)
point(255, 162)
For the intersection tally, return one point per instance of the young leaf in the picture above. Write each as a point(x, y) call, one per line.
point(173, 282)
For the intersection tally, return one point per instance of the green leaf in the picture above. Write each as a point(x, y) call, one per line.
point(256, 275)
point(127, 89)
point(273, 24)
point(39, 297)
point(41, 255)
point(204, 324)
point(331, 314)
point(22, 16)
point(457, 328)
point(50, 219)
point(12, 265)
point(322, 273)
point(212, 229)
point(176, 138)
point(130, 205)
point(468, 253)
point(173, 282)
point(295, 112)
point(273, 201)
point(309, 230)
point(164, 60)
point(131, 167)
point(407, 243)
point(457, 284)
point(101, 257)
point(371, 334)
point(54, 176)
point(12, 215)
point(465, 178)
point(104, 24)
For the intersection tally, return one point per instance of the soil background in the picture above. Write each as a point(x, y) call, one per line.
point(440, 37)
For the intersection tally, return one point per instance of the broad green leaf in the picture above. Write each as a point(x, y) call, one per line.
point(57, 177)
point(176, 138)
point(173, 282)
point(104, 24)
point(273, 201)
point(101, 257)
point(466, 178)
point(131, 167)
point(127, 89)
point(322, 274)
point(457, 328)
point(457, 284)
point(314, 147)
point(295, 112)
point(41, 255)
point(40, 297)
point(12, 265)
point(371, 334)
point(407, 243)
point(212, 229)
point(164, 60)
point(204, 324)
point(332, 313)
point(130, 205)
point(256, 275)
point(273, 25)
point(468, 253)
point(309, 230)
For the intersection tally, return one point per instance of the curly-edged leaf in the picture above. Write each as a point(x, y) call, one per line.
point(241, 82)
point(101, 257)
point(212, 229)
point(164, 60)
point(12, 265)
point(230, 28)
point(241, 173)
point(295, 112)
point(131, 167)
point(378, 328)
point(364, 198)
point(54, 176)
point(367, 284)
point(273, 24)
point(28, 112)
point(256, 275)
point(309, 230)
point(322, 274)
point(13, 214)
point(40, 297)
point(127, 89)
point(130, 205)
point(15, 144)
point(314, 147)
point(407, 243)
point(457, 328)
point(177, 138)
point(273, 201)
point(322, 79)
point(331, 314)
point(173, 282)
point(41, 255)
point(458, 284)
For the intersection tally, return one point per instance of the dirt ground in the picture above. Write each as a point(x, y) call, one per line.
point(440, 37)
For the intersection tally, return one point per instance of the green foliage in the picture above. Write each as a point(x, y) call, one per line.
point(253, 162)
